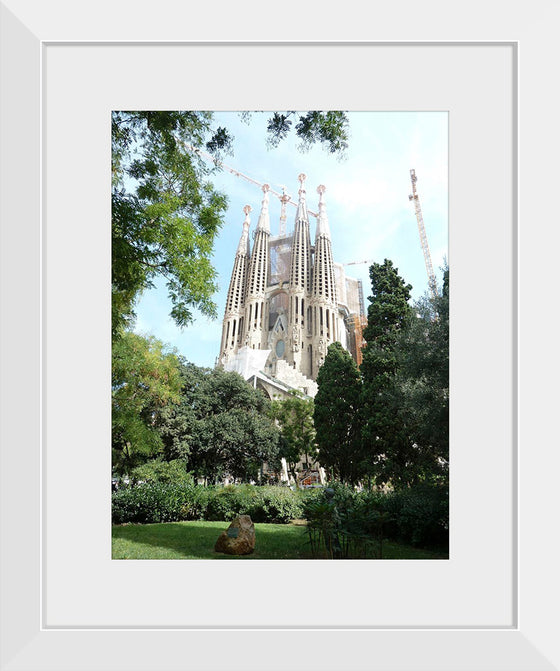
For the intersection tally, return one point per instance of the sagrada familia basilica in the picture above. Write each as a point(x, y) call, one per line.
point(288, 300)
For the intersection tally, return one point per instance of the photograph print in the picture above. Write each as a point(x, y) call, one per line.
point(280, 335)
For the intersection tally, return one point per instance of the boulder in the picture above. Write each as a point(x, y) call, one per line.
point(239, 539)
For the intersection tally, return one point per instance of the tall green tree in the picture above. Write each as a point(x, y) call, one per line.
point(295, 419)
point(387, 447)
point(145, 380)
point(423, 355)
point(337, 415)
point(221, 426)
point(165, 211)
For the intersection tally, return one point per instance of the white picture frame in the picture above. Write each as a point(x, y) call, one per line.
point(528, 641)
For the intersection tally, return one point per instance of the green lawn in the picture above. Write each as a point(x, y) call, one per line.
point(195, 540)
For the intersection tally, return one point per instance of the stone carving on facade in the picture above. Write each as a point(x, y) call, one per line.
point(295, 339)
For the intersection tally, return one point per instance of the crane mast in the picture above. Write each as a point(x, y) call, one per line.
point(423, 238)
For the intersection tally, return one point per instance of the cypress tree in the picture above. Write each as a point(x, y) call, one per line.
point(388, 452)
point(336, 415)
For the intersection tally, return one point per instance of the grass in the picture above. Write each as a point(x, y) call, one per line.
point(195, 540)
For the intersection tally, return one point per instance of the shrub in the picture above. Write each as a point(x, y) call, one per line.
point(195, 503)
point(226, 503)
point(342, 524)
point(262, 504)
point(352, 524)
point(280, 504)
point(147, 503)
point(421, 515)
point(166, 472)
point(159, 502)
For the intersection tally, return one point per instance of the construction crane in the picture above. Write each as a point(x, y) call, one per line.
point(423, 238)
point(283, 197)
point(358, 263)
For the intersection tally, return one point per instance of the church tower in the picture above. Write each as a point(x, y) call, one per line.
point(324, 303)
point(234, 317)
point(257, 280)
point(300, 284)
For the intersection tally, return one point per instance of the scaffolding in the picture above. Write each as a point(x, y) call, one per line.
point(356, 324)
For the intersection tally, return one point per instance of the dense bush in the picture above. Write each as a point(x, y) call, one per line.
point(348, 523)
point(148, 502)
point(165, 472)
point(280, 504)
point(196, 503)
point(226, 503)
point(420, 515)
point(343, 524)
point(157, 502)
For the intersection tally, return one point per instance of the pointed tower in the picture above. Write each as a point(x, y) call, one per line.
point(284, 200)
point(256, 328)
point(299, 284)
point(234, 317)
point(324, 299)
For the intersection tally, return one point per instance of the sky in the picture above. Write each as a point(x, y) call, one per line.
point(370, 215)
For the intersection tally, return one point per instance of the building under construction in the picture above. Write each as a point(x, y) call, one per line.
point(288, 300)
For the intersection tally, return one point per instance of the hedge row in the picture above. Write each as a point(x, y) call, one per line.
point(156, 502)
point(417, 516)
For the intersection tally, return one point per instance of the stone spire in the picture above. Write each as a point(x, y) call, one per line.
point(243, 247)
point(325, 313)
point(323, 220)
point(300, 267)
point(301, 213)
point(299, 285)
point(324, 285)
point(264, 218)
point(257, 280)
point(232, 328)
point(284, 200)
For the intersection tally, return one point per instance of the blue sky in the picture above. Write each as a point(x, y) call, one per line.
point(370, 215)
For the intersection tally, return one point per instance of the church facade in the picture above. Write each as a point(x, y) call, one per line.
point(288, 300)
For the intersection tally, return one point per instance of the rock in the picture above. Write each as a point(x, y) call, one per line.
point(239, 539)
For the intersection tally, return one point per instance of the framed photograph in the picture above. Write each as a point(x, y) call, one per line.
point(66, 604)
